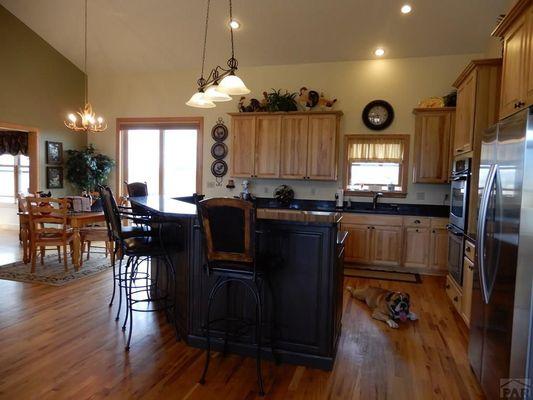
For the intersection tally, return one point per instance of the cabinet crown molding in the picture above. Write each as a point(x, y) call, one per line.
point(516, 11)
point(418, 110)
point(472, 66)
point(336, 112)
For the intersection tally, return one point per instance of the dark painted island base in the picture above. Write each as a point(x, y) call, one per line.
point(303, 306)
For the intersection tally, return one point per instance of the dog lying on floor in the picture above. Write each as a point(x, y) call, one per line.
point(385, 305)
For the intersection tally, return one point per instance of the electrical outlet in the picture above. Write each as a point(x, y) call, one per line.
point(265, 190)
point(420, 195)
point(210, 185)
point(446, 197)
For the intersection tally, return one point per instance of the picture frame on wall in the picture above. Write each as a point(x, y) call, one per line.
point(54, 177)
point(54, 153)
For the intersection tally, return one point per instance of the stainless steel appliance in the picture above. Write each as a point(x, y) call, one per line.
point(455, 253)
point(500, 325)
point(460, 182)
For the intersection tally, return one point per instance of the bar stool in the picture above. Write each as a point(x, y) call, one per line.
point(139, 245)
point(228, 227)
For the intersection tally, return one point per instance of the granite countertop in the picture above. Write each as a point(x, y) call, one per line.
point(418, 210)
point(165, 205)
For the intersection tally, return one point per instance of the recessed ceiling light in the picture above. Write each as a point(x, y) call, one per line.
point(406, 9)
point(234, 24)
point(379, 52)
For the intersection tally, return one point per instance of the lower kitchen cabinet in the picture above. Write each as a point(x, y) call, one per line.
point(468, 281)
point(454, 293)
point(397, 243)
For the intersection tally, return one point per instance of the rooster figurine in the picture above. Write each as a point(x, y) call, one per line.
point(324, 103)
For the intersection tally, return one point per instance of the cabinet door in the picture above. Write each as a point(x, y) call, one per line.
point(468, 280)
point(513, 67)
point(357, 246)
point(386, 245)
point(267, 146)
point(432, 140)
point(464, 119)
point(416, 247)
point(294, 146)
point(438, 249)
point(243, 146)
point(322, 147)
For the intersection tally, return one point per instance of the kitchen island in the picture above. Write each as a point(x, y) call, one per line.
point(306, 276)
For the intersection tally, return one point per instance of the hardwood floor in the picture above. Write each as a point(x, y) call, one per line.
point(63, 342)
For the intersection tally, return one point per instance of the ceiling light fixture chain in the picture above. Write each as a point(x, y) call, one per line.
point(87, 121)
point(221, 82)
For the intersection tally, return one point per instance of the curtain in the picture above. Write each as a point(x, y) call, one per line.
point(14, 143)
point(376, 149)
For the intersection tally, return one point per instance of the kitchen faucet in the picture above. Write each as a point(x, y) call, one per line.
point(377, 195)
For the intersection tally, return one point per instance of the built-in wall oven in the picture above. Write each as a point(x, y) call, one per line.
point(460, 180)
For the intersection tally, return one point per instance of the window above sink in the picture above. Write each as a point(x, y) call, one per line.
point(376, 163)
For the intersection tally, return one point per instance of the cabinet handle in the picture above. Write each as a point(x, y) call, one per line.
point(433, 231)
point(468, 249)
point(417, 230)
point(456, 299)
point(367, 227)
point(373, 227)
point(470, 267)
point(417, 221)
point(515, 105)
point(447, 286)
point(459, 150)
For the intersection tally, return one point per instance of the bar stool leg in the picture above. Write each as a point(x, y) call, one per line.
point(258, 331)
point(128, 277)
point(118, 282)
point(130, 309)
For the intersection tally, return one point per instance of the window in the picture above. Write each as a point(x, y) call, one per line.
point(15, 177)
point(376, 163)
point(166, 156)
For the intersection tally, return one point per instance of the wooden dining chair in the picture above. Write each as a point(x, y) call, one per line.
point(48, 226)
point(91, 234)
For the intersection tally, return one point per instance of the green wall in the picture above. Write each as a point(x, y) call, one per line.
point(38, 87)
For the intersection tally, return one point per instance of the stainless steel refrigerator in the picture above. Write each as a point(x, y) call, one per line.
point(500, 326)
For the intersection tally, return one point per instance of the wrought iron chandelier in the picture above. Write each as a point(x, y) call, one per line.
point(86, 121)
point(221, 82)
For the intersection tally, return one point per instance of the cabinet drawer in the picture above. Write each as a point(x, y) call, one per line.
point(439, 223)
point(371, 219)
point(416, 222)
point(470, 250)
point(454, 293)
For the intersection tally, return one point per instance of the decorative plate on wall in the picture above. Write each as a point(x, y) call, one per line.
point(219, 168)
point(378, 115)
point(219, 150)
point(219, 132)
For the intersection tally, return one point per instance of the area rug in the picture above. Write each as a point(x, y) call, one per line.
point(53, 272)
point(383, 275)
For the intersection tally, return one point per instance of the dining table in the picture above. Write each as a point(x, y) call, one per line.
point(76, 221)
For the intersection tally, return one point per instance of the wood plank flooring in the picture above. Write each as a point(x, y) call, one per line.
point(63, 343)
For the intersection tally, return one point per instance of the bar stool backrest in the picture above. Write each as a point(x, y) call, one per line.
point(111, 212)
point(136, 189)
point(229, 229)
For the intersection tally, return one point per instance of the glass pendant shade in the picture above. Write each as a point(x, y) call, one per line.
point(212, 93)
point(199, 100)
point(232, 85)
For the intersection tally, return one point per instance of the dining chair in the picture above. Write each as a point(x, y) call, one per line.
point(48, 226)
point(91, 234)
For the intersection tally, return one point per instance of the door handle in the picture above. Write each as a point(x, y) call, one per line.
point(485, 196)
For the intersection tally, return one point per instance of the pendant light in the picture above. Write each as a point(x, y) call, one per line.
point(86, 120)
point(221, 82)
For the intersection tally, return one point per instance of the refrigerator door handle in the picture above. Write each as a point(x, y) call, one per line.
point(485, 197)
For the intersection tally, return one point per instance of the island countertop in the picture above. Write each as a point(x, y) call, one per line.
point(173, 207)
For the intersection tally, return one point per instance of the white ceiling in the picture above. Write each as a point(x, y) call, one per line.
point(150, 35)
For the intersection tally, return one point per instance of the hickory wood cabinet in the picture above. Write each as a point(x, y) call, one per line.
point(461, 295)
point(478, 103)
point(285, 145)
point(516, 30)
point(395, 242)
point(433, 132)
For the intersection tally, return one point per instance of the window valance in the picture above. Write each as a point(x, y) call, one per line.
point(13, 142)
point(376, 149)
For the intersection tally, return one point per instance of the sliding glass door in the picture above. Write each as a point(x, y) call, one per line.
point(164, 158)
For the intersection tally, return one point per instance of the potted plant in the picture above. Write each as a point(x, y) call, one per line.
point(86, 169)
point(278, 101)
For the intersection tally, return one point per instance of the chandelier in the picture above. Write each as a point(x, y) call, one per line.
point(85, 120)
point(221, 82)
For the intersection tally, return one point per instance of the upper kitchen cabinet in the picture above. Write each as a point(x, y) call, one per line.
point(433, 132)
point(516, 30)
point(299, 145)
point(478, 88)
point(478, 103)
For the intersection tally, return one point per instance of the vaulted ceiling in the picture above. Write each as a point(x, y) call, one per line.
point(151, 35)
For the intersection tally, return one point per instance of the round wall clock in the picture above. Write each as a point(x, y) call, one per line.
point(219, 150)
point(219, 132)
point(378, 115)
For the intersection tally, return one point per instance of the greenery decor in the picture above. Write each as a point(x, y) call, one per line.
point(278, 101)
point(86, 169)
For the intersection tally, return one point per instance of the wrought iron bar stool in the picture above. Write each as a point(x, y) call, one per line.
point(150, 239)
point(228, 228)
